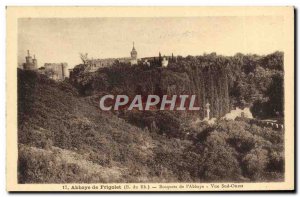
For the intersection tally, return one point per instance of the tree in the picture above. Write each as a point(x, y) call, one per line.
point(276, 95)
point(84, 58)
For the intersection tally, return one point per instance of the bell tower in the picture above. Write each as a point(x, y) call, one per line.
point(133, 55)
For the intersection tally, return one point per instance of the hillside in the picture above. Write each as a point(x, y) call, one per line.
point(64, 138)
point(68, 140)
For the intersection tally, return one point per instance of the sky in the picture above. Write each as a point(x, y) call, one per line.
point(55, 40)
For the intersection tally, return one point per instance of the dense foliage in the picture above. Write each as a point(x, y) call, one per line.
point(206, 83)
point(224, 82)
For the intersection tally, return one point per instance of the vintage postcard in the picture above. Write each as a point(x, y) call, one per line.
point(150, 99)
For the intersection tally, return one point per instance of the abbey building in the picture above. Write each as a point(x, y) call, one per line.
point(60, 71)
point(94, 64)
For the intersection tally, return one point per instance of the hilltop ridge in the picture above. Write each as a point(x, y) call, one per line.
point(63, 137)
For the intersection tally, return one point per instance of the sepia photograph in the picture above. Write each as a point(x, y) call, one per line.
point(121, 102)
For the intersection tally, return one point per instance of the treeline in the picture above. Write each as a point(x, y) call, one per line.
point(209, 84)
point(223, 81)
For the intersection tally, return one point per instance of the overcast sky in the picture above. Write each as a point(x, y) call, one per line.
point(61, 40)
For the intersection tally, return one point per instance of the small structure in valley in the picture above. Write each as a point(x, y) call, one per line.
point(237, 112)
point(207, 115)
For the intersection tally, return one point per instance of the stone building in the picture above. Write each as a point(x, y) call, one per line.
point(56, 71)
point(95, 64)
point(158, 60)
point(30, 63)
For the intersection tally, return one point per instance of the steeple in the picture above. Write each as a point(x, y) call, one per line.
point(28, 54)
point(133, 55)
point(133, 52)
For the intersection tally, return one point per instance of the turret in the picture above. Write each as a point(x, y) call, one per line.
point(34, 61)
point(28, 58)
point(30, 64)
